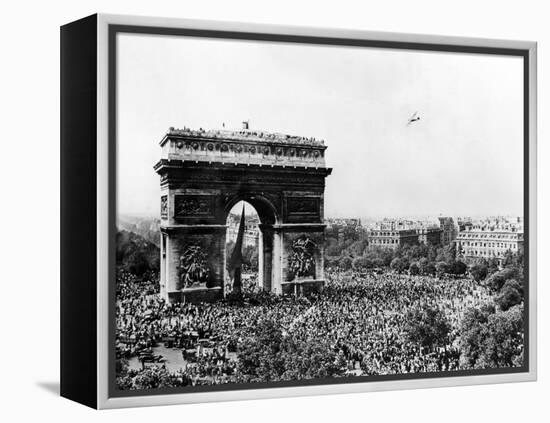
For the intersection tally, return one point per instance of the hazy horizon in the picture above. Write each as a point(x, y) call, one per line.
point(251, 211)
point(464, 157)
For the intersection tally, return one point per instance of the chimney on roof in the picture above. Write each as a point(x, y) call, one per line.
point(245, 124)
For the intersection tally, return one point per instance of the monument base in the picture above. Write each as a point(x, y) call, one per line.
point(301, 287)
point(196, 295)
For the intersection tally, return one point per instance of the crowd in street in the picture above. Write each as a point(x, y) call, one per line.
point(362, 316)
point(365, 315)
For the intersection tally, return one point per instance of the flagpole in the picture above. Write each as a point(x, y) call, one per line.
point(236, 256)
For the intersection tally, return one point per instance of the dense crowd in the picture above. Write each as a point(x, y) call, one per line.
point(365, 316)
point(361, 316)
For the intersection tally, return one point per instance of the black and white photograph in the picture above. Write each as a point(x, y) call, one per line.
point(292, 213)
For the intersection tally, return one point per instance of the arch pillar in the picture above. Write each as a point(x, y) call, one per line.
point(192, 263)
point(265, 257)
point(301, 258)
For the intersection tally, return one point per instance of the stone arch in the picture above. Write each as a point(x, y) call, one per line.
point(267, 211)
point(198, 188)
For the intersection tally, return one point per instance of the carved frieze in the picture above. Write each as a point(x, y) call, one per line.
point(193, 267)
point(303, 205)
point(300, 208)
point(194, 205)
point(206, 173)
point(164, 207)
point(301, 262)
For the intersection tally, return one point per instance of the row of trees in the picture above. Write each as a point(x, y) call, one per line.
point(135, 254)
point(490, 336)
point(418, 259)
point(347, 248)
point(428, 327)
point(507, 287)
point(268, 354)
point(150, 377)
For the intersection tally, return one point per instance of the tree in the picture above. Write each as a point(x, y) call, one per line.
point(332, 250)
point(259, 353)
point(331, 261)
point(512, 259)
point(446, 253)
point(472, 332)
point(503, 347)
point(428, 326)
point(492, 339)
point(121, 366)
point(430, 269)
point(496, 281)
point(399, 264)
point(345, 262)
point(509, 259)
point(423, 265)
point(360, 263)
point(152, 378)
point(432, 253)
point(479, 271)
point(135, 254)
point(415, 252)
point(441, 268)
point(268, 354)
point(414, 269)
point(357, 248)
point(309, 358)
point(457, 267)
point(343, 240)
point(492, 266)
point(510, 295)
point(383, 256)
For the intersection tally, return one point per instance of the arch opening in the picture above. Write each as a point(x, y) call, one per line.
point(255, 272)
point(264, 209)
point(249, 248)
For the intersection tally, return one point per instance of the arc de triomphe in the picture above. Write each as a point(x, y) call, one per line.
point(203, 174)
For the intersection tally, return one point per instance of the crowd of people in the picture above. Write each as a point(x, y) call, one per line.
point(365, 316)
point(362, 316)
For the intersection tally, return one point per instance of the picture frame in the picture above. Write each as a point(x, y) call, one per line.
point(90, 110)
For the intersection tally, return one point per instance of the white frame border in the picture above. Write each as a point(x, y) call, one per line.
point(103, 401)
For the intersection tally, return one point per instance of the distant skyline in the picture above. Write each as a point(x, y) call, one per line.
point(251, 211)
point(464, 157)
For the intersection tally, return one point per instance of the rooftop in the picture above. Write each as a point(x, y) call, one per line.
point(243, 135)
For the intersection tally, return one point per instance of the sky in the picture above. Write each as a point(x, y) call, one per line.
point(464, 157)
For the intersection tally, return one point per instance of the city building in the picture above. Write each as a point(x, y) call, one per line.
point(392, 238)
point(463, 223)
point(490, 238)
point(430, 235)
point(345, 228)
point(348, 222)
point(448, 230)
point(390, 233)
point(251, 230)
